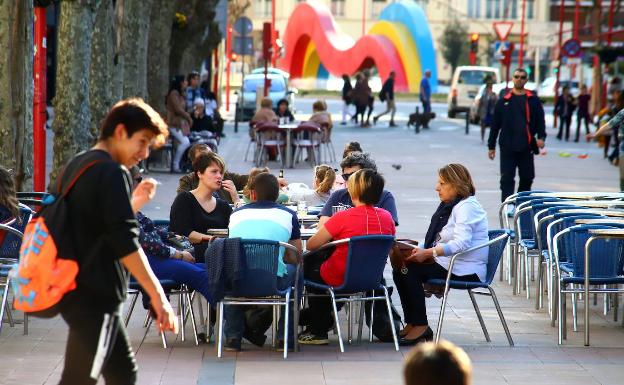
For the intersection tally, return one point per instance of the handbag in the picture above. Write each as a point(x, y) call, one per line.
point(179, 242)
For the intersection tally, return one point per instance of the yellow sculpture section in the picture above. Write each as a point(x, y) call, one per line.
point(311, 62)
point(405, 46)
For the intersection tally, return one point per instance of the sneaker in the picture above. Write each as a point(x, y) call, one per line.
point(232, 345)
point(307, 338)
point(392, 124)
point(256, 338)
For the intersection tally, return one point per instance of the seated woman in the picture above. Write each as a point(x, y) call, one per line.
point(464, 227)
point(9, 207)
point(320, 115)
point(324, 177)
point(281, 198)
point(194, 212)
point(365, 187)
point(283, 112)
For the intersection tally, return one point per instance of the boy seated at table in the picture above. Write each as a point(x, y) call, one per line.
point(263, 218)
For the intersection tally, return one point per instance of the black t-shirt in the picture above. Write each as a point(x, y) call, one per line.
point(104, 230)
point(519, 128)
point(188, 215)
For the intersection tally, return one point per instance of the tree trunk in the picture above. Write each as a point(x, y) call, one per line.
point(102, 66)
point(159, 47)
point(71, 104)
point(16, 93)
point(136, 24)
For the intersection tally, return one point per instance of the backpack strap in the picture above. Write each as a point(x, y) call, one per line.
point(75, 175)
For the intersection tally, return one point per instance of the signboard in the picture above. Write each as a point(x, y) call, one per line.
point(502, 29)
point(242, 45)
point(571, 48)
point(503, 51)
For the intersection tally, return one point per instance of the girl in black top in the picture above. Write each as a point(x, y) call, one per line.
point(196, 211)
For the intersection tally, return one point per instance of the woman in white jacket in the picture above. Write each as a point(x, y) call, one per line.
point(466, 227)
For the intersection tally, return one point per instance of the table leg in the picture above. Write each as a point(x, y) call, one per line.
point(288, 150)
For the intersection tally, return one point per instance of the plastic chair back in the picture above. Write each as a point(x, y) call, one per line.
point(525, 219)
point(495, 252)
point(565, 221)
point(543, 210)
point(366, 259)
point(606, 255)
point(10, 246)
point(260, 269)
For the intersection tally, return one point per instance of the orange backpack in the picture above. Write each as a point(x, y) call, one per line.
point(48, 267)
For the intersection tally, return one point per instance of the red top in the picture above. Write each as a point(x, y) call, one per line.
point(350, 223)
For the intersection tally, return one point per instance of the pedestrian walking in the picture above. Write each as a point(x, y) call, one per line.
point(563, 109)
point(582, 114)
point(361, 95)
point(387, 95)
point(519, 117)
point(104, 233)
point(615, 127)
point(485, 111)
point(425, 94)
point(347, 97)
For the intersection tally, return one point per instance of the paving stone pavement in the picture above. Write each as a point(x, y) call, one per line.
point(37, 358)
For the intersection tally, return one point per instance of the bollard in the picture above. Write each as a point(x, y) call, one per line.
point(467, 122)
point(417, 122)
point(236, 117)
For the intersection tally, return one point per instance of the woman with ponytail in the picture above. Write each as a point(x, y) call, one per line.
point(324, 177)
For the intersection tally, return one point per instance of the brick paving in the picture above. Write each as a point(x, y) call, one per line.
point(37, 358)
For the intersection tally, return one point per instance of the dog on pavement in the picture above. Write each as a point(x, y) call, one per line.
point(418, 119)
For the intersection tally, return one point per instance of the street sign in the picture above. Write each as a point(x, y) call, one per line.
point(571, 48)
point(499, 49)
point(243, 26)
point(502, 29)
point(242, 45)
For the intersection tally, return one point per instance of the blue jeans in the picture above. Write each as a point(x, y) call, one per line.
point(426, 105)
point(191, 274)
point(235, 314)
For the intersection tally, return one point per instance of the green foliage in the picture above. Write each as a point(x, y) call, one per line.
point(454, 43)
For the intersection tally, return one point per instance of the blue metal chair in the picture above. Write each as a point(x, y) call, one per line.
point(5, 280)
point(605, 268)
point(366, 259)
point(259, 285)
point(496, 247)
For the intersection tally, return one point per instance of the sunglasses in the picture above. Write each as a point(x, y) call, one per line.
point(520, 77)
point(346, 176)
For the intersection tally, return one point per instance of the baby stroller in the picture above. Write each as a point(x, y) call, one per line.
point(199, 137)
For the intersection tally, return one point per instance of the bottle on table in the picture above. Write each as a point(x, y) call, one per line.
point(302, 209)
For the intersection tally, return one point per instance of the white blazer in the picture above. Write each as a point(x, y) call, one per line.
point(467, 227)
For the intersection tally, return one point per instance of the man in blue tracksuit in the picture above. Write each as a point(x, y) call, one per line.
point(519, 117)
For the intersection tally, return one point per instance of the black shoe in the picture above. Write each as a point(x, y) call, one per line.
point(375, 119)
point(256, 338)
point(392, 124)
point(233, 345)
point(427, 335)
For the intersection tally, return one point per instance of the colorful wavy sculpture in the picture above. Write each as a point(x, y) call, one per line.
point(400, 41)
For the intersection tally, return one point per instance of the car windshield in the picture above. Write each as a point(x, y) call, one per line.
point(474, 77)
point(250, 85)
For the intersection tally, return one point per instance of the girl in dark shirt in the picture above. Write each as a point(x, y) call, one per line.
point(196, 211)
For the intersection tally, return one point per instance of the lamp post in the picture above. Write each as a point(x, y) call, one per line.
point(522, 22)
point(39, 100)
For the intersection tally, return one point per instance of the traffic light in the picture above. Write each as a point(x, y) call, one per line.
point(474, 42)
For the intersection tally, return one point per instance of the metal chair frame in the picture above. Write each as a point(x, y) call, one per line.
point(4, 304)
point(263, 143)
point(274, 301)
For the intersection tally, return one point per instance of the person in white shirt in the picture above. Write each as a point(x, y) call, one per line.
point(466, 226)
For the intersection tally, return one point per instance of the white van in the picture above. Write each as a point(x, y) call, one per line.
point(465, 85)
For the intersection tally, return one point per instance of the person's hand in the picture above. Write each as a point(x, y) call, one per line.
point(143, 193)
point(590, 136)
point(282, 182)
point(229, 186)
point(206, 238)
point(187, 257)
point(419, 255)
point(541, 143)
point(491, 154)
point(164, 314)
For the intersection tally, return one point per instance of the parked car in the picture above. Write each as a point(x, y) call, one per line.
point(246, 105)
point(497, 88)
point(465, 85)
point(547, 87)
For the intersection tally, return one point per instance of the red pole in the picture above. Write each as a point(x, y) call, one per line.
point(521, 50)
point(228, 54)
point(576, 19)
point(363, 17)
point(274, 50)
point(559, 56)
point(611, 12)
point(39, 101)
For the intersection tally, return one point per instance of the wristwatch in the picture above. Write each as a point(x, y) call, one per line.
point(435, 253)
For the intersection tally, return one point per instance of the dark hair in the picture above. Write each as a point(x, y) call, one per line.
point(351, 147)
point(442, 363)
point(266, 187)
point(520, 70)
point(358, 159)
point(176, 84)
point(196, 149)
point(191, 75)
point(135, 115)
point(8, 200)
point(366, 185)
point(282, 101)
point(346, 78)
point(203, 160)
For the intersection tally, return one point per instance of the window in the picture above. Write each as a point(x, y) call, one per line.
point(262, 7)
point(377, 7)
point(530, 9)
point(474, 9)
point(338, 7)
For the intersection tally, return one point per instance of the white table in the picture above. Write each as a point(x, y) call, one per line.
point(288, 127)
